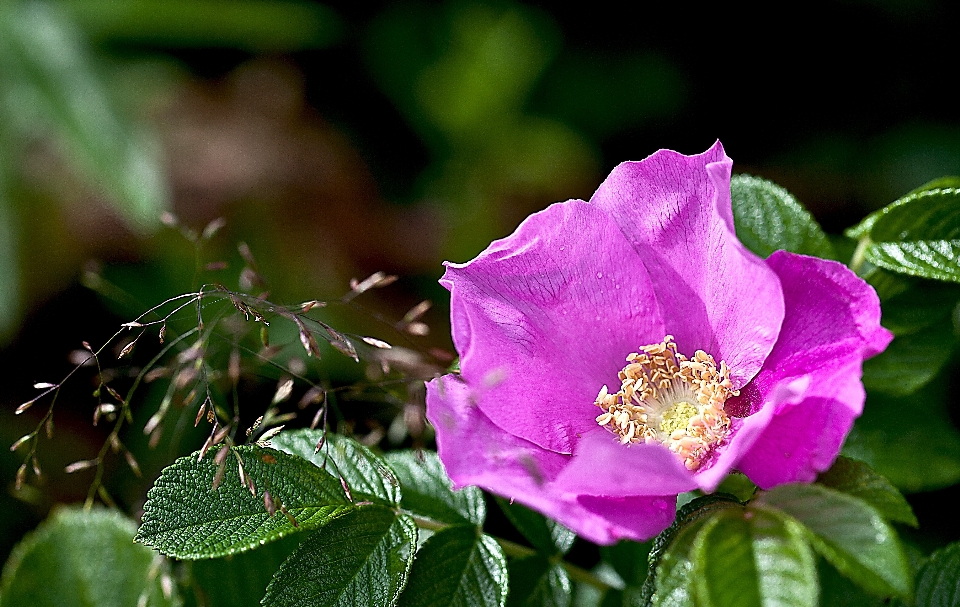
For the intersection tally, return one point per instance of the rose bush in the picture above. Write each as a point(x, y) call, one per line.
point(617, 352)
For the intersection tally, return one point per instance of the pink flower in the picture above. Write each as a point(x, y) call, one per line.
point(735, 362)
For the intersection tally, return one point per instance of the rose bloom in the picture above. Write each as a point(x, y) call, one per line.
point(617, 352)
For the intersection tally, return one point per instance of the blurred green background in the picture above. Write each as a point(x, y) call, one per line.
point(339, 139)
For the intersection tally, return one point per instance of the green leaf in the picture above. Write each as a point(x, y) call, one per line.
point(918, 235)
point(670, 579)
point(909, 362)
point(768, 218)
point(458, 566)
point(360, 559)
point(184, 517)
point(910, 201)
point(926, 215)
point(367, 476)
point(240, 580)
point(273, 26)
point(53, 86)
point(753, 559)
point(938, 582)
point(669, 582)
point(909, 440)
point(537, 582)
point(427, 490)
point(856, 478)
point(940, 183)
point(936, 259)
point(547, 536)
point(848, 532)
point(82, 558)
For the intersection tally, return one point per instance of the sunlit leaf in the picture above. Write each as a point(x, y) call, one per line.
point(669, 582)
point(768, 218)
point(856, 478)
point(361, 559)
point(847, 532)
point(428, 491)
point(186, 518)
point(752, 558)
point(367, 476)
point(917, 235)
point(457, 567)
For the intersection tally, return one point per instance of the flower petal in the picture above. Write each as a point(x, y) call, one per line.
point(474, 451)
point(545, 317)
point(602, 466)
point(806, 433)
point(832, 323)
point(714, 294)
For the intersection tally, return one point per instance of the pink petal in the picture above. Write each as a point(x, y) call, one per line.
point(806, 434)
point(831, 324)
point(714, 294)
point(545, 317)
point(603, 466)
point(475, 451)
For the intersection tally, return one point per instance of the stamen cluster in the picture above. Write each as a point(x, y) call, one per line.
point(667, 398)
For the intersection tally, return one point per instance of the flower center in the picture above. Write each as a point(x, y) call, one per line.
point(668, 398)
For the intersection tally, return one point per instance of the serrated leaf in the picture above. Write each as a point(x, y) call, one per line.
point(79, 558)
point(358, 560)
point(768, 218)
point(367, 475)
point(56, 88)
point(918, 235)
point(846, 531)
point(670, 580)
point(936, 259)
point(240, 580)
point(909, 362)
point(856, 478)
point(909, 440)
point(926, 215)
point(537, 582)
point(752, 558)
point(938, 582)
point(547, 536)
point(458, 566)
point(427, 490)
point(185, 518)
point(901, 207)
point(670, 567)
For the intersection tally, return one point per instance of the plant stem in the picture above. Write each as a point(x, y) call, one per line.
point(859, 255)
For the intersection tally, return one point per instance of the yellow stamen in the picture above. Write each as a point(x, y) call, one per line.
point(667, 398)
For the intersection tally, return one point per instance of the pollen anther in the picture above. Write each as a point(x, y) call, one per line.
point(667, 398)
